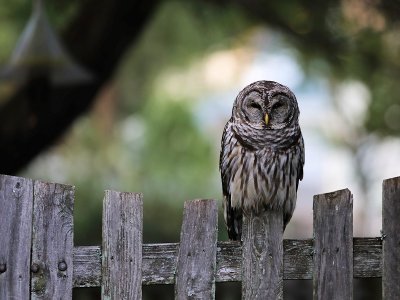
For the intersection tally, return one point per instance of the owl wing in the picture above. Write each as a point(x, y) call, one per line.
point(301, 162)
point(232, 216)
point(297, 173)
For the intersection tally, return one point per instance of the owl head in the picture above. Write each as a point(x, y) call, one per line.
point(266, 105)
point(266, 112)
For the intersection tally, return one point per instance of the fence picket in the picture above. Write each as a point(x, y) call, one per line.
point(52, 241)
point(16, 195)
point(122, 246)
point(333, 246)
point(195, 273)
point(262, 256)
point(391, 238)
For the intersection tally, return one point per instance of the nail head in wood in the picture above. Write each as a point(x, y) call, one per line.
point(62, 266)
point(3, 268)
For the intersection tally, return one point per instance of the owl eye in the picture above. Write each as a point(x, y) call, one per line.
point(277, 105)
point(280, 110)
point(255, 105)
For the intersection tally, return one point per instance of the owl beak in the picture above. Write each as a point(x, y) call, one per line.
point(266, 119)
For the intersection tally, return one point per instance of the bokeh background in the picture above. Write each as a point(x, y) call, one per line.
point(133, 96)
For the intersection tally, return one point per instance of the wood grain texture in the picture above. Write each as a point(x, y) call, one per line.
point(195, 272)
point(122, 246)
point(262, 256)
point(391, 240)
point(16, 198)
point(159, 261)
point(87, 266)
point(298, 259)
point(52, 241)
point(367, 257)
point(229, 261)
point(333, 246)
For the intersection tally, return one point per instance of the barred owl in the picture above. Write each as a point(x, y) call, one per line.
point(262, 154)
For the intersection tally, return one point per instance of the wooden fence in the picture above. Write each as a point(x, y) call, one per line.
point(38, 259)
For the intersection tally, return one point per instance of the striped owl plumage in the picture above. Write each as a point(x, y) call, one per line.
point(262, 154)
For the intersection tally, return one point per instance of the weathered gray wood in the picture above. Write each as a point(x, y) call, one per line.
point(298, 259)
point(87, 266)
point(195, 273)
point(52, 246)
point(122, 246)
point(159, 261)
point(333, 244)
point(229, 261)
point(391, 241)
point(367, 257)
point(16, 198)
point(262, 257)
point(52, 241)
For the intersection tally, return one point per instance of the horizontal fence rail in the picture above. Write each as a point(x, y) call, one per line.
point(160, 261)
point(38, 258)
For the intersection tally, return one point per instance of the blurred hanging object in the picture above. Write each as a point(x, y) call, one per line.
point(40, 54)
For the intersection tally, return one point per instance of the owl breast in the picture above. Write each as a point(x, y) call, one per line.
point(263, 179)
point(259, 179)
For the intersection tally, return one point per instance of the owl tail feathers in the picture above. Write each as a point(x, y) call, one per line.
point(235, 231)
point(234, 225)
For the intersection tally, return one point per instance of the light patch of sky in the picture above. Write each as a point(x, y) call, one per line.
point(353, 99)
point(280, 67)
